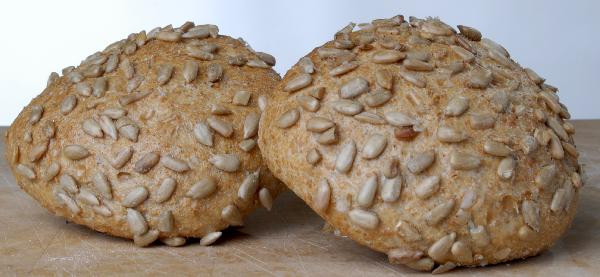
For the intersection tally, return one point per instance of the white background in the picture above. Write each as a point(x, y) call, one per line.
point(559, 39)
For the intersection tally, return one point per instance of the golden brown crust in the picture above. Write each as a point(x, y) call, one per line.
point(161, 121)
point(459, 117)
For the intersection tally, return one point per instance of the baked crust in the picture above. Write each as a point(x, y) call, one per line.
point(154, 112)
point(472, 132)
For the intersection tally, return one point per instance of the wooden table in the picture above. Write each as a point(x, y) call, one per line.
point(288, 241)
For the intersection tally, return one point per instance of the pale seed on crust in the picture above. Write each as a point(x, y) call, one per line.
point(417, 65)
point(68, 183)
point(262, 102)
point(306, 65)
point(347, 107)
point(364, 219)
point(559, 200)
point(390, 168)
point(53, 169)
point(391, 189)
point(225, 162)
point(343, 68)
point(166, 189)
point(174, 164)
point(328, 137)
point(558, 128)
point(241, 98)
point(26, 171)
point(403, 256)
point(102, 210)
point(423, 264)
point(203, 134)
point(576, 180)
point(413, 78)
point(214, 72)
point(463, 53)
point(75, 152)
point(68, 104)
point(525, 233)
point(450, 135)
point(443, 268)
point(199, 53)
point(479, 79)
point(190, 71)
point(135, 197)
point(469, 32)
point(456, 106)
point(257, 63)
point(322, 196)
point(569, 128)
point(92, 128)
point(370, 118)
point(232, 215)
point(399, 119)
point(378, 98)
point(345, 157)
point(481, 121)
point(299, 82)
point(439, 212)
point(407, 231)
point(83, 89)
point(137, 222)
point(308, 103)
point(249, 186)
point(463, 161)
point(439, 250)
point(173, 241)
point(247, 145)
point(427, 187)
point(133, 97)
point(265, 198)
point(220, 126)
point(420, 161)
point(134, 83)
point(122, 157)
point(168, 36)
point(251, 125)
point(288, 119)
point(531, 214)
point(319, 124)
point(146, 163)
point(165, 222)
point(38, 151)
point(506, 168)
point(535, 78)
point(479, 235)
point(387, 56)
point(145, 239)
point(70, 203)
point(384, 78)
point(102, 185)
point(497, 149)
point(87, 197)
point(366, 195)
point(99, 87)
point(546, 176)
point(313, 156)
point(374, 146)
point(210, 238)
point(462, 252)
point(556, 148)
point(108, 127)
point(164, 73)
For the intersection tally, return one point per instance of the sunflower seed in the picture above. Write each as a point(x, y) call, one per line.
point(99, 87)
point(558, 200)
point(366, 195)
point(525, 233)
point(384, 78)
point(462, 252)
point(391, 189)
point(218, 109)
point(308, 103)
point(569, 128)
point(168, 36)
point(38, 151)
point(531, 214)
point(145, 239)
point(343, 68)
point(164, 73)
point(165, 222)
point(210, 238)
point(390, 168)
point(463, 161)
point(576, 180)
point(251, 125)
point(297, 83)
point(457, 106)
point(112, 63)
point(439, 212)
point(214, 72)
point(135, 197)
point(378, 98)
point(371, 118)
point(203, 134)
point(440, 249)
point(500, 101)
point(257, 63)
point(14, 157)
point(413, 78)
point(26, 171)
point(267, 58)
point(70, 203)
point(469, 32)
point(199, 53)
point(232, 215)
point(262, 103)
point(146, 163)
point(450, 135)
point(347, 107)
point(319, 124)
point(173, 241)
point(220, 126)
point(557, 127)
point(225, 162)
point(570, 149)
point(68, 104)
point(49, 129)
point(387, 56)
point(288, 119)
point(129, 48)
point(546, 176)
point(364, 219)
point(87, 197)
point(132, 97)
point(556, 148)
point(535, 78)
point(75, 77)
point(306, 65)
point(265, 198)
point(196, 33)
point(343, 43)
point(403, 256)
point(427, 187)
point(420, 161)
point(190, 71)
point(93, 71)
point(166, 189)
point(506, 168)
point(249, 186)
point(322, 197)
point(247, 145)
point(102, 185)
point(481, 121)
point(423, 264)
point(68, 183)
point(51, 171)
point(141, 38)
point(345, 158)
point(324, 52)
point(542, 136)
point(417, 65)
point(102, 210)
point(495, 148)
point(127, 68)
point(313, 156)
point(374, 146)
point(134, 83)
point(130, 132)
point(328, 137)
point(479, 79)
point(494, 46)
point(83, 89)
point(52, 78)
point(174, 164)
point(121, 158)
point(241, 98)
point(106, 125)
point(399, 119)
point(75, 152)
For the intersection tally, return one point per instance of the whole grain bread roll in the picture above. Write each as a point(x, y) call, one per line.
point(426, 143)
point(153, 137)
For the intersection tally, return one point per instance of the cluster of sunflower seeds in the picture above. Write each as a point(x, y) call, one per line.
point(90, 85)
point(401, 53)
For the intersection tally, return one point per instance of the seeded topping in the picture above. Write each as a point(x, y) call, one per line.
point(203, 188)
point(225, 162)
point(354, 88)
point(364, 219)
point(220, 126)
point(288, 119)
point(135, 197)
point(374, 146)
point(146, 163)
point(298, 83)
point(345, 158)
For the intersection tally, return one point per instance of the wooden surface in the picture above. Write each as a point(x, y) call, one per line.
point(288, 241)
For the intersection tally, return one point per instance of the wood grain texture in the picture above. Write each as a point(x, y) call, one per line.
point(289, 241)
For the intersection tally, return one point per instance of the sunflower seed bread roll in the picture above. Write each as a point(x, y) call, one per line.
point(152, 138)
point(426, 143)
